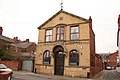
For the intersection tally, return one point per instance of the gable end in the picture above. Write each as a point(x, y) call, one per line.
point(61, 11)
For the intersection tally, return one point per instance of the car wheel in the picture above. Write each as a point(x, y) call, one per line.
point(9, 78)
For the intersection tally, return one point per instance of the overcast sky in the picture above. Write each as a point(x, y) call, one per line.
point(22, 17)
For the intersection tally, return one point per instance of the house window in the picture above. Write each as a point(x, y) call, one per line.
point(74, 58)
point(46, 57)
point(48, 35)
point(60, 33)
point(74, 33)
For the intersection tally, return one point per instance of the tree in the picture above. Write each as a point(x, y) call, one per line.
point(2, 53)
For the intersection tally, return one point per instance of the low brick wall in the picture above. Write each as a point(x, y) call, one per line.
point(14, 65)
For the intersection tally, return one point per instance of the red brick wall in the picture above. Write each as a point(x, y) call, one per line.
point(112, 60)
point(14, 49)
point(14, 65)
point(31, 48)
point(3, 43)
point(92, 51)
point(98, 64)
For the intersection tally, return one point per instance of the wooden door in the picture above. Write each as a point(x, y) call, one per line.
point(59, 64)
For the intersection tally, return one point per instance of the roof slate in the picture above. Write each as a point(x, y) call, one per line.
point(18, 44)
point(24, 45)
point(6, 38)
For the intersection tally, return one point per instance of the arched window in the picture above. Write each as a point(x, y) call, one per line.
point(46, 57)
point(74, 58)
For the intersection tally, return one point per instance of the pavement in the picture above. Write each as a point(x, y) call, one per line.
point(23, 75)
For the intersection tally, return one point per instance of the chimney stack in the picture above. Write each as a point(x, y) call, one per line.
point(119, 21)
point(15, 39)
point(1, 30)
point(90, 21)
point(27, 40)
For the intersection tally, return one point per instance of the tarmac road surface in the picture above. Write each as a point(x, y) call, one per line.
point(107, 75)
point(23, 75)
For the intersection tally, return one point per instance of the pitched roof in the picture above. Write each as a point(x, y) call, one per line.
point(61, 11)
point(97, 55)
point(12, 44)
point(6, 38)
point(104, 55)
point(24, 45)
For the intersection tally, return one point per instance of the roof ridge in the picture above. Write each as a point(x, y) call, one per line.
point(24, 45)
point(8, 38)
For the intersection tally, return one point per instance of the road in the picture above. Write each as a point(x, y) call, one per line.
point(107, 75)
point(103, 75)
point(22, 75)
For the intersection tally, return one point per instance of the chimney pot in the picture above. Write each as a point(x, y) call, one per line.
point(27, 40)
point(1, 30)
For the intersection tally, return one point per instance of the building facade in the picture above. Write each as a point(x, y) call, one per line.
point(66, 46)
point(112, 60)
point(4, 40)
point(118, 44)
point(109, 60)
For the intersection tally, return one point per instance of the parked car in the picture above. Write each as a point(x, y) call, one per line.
point(5, 71)
point(109, 68)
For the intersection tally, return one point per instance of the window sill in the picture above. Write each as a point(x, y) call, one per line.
point(74, 66)
point(48, 41)
point(74, 39)
point(77, 66)
point(47, 65)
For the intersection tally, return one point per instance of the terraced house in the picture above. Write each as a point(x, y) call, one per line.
point(66, 46)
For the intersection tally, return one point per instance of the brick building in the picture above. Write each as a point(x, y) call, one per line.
point(20, 54)
point(15, 45)
point(66, 46)
point(118, 43)
point(4, 40)
point(109, 60)
point(98, 64)
point(112, 60)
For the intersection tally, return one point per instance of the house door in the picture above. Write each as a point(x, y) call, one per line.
point(59, 63)
point(58, 60)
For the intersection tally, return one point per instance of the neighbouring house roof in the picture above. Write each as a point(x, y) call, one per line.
point(104, 55)
point(11, 44)
point(6, 39)
point(61, 11)
point(97, 55)
point(24, 45)
point(21, 44)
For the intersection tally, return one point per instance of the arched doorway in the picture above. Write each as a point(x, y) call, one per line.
point(58, 60)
